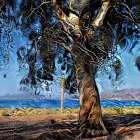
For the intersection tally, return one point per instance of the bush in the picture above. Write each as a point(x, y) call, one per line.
point(4, 113)
point(68, 111)
point(33, 112)
point(130, 112)
point(76, 110)
point(20, 112)
point(57, 109)
point(119, 110)
point(11, 112)
point(29, 109)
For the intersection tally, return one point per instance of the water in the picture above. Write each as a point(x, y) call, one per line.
point(67, 103)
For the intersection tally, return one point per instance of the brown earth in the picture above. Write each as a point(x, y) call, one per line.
point(63, 127)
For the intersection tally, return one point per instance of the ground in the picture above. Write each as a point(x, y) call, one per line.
point(61, 126)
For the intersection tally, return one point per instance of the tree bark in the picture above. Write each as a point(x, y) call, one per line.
point(62, 97)
point(90, 116)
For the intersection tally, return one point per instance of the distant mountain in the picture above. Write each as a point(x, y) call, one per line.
point(125, 94)
point(22, 96)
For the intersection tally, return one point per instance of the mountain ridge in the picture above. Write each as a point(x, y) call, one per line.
point(124, 94)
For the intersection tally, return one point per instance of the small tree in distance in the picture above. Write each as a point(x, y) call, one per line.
point(62, 80)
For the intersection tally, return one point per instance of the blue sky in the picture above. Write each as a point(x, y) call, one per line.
point(10, 84)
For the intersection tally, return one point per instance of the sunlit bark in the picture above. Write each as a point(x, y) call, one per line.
point(69, 20)
point(102, 13)
point(78, 5)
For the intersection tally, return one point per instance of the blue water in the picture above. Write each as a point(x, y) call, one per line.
point(67, 103)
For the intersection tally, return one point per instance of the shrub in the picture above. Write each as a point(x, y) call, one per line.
point(68, 111)
point(119, 110)
point(57, 109)
point(29, 109)
point(130, 112)
point(76, 110)
point(10, 112)
point(20, 112)
point(33, 112)
point(4, 113)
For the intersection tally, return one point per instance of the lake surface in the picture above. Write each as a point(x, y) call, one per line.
point(47, 103)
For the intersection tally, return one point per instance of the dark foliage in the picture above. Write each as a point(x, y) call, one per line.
point(40, 25)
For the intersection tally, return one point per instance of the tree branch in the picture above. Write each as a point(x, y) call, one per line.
point(130, 17)
point(68, 19)
point(54, 40)
point(78, 5)
point(36, 42)
point(101, 15)
point(2, 4)
point(45, 2)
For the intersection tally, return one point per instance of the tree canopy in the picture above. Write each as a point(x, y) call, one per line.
point(51, 44)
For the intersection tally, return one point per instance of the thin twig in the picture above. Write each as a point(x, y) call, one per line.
point(46, 2)
point(129, 13)
point(3, 3)
point(54, 40)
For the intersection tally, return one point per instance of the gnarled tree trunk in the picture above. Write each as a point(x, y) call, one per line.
point(90, 116)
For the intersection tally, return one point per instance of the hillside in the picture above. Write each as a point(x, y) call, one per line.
point(22, 96)
point(125, 94)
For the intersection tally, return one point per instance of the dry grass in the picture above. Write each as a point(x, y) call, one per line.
point(121, 110)
point(33, 111)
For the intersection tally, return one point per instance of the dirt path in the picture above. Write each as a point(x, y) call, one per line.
point(63, 126)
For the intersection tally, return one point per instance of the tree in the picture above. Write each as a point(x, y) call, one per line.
point(77, 18)
point(62, 80)
point(90, 32)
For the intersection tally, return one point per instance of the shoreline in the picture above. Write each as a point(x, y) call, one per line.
point(69, 99)
point(12, 111)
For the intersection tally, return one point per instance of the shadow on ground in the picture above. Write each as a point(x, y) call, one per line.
point(63, 127)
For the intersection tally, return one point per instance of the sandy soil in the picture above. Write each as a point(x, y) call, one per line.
point(63, 126)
